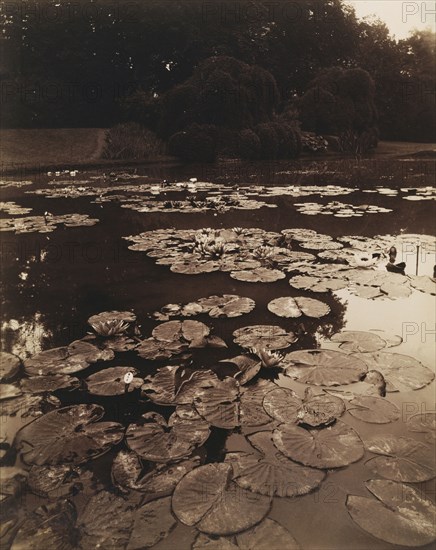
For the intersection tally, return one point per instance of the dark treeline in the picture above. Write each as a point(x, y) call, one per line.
point(96, 63)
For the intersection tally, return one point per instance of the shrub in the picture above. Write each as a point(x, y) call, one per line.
point(249, 145)
point(195, 144)
point(131, 141)
point(269, 140)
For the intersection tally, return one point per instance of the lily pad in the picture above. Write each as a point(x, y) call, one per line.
point(157, 440)
point(27, 405)
point(317, 284)
point(402, 459)
point(375, 410)
point(66, 360)
point(9, 366)
point(399, 514)
point(424, 423)
point(57, 481)
point(50, 383)
point(155, 350)
point(152, 522)
point(332, 447)
point(269, 337)
point(424, 284)
point(282, 404)
point(319, 409)
point(129, 473)
point(173, 331)
point(258, 275)
point(251, 411)
point(401, 372)
point(324, 367)
point(295, 307)
point(207, 499)
point(267, 535)
point(107, 316)
point(228, 305)
point(68, 435)
point(354, 341)
point(49, 526)
point(269, 472)
point(218, 403)
point(248, 368)
point(111, 382)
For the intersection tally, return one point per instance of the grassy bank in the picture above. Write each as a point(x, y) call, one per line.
point(82, 147)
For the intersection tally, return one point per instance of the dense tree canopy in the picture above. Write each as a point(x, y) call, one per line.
point(77, 62)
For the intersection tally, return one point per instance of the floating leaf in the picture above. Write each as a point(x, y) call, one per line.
point(110, 316)
point(56, 481)
point(157, 440)
point(375, 410)
point(359, 341)
point(110, 382)
point(424, 284)
point(173, 331)
point(207, 499)
point(282, 404)
point(129, 473)
point(270, 472)
point(9, 366)
point(295, 307)
point(152, 522)
point(247, 367)
point(105, 522)
point(258, 275)
point(399, 516)
point(66, 360)
point(401, 372)
point(49, 526)
point(319, 409)
point(332, 447)
point(228, 305)
point(392, 340)
point(423, 423)
point(317, 284)
point(154, 350)
point(218, 403)
point(251, 411)
point(51, 383)
point(324, 367)
point(403, 459)
point(269, 337)
point(68, 435)
point(27, 405)
point(268, 535)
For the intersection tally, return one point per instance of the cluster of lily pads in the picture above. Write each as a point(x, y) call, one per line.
point(339, 209)
point(13, 209)
point(256, 255)
point(161, 472)
point(46, 223)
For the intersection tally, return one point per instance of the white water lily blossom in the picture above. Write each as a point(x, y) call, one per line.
point(269, 359)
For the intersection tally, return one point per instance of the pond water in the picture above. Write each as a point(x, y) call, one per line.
point(54, 277)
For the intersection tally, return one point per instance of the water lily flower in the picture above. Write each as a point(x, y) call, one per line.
point(112, 327)
point(269, 359)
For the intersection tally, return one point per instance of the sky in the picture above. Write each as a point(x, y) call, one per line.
point(400, 16)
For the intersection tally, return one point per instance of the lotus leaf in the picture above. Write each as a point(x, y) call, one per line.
point(375, 410)
point(359, 341)
point(295, 307)
point(228, 305)
point(269, 337)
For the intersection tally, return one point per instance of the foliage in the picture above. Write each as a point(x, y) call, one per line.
point(195, 143)
point(130, 140)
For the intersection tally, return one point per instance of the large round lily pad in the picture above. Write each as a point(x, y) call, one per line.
point(375, 410)
point(258, 275)
point(269, 472)
point(157, 440)
point(296, 307)
point(105, 316)
point(317, 284)
point(401, 372)
point(399, 514)
point(332, 447)
point(218, 403)
point(173, 331)
point(401, 458)
point(66, 360)
point(68, 435)
point(50, 383)
point(207, 499)
point(112, 381)
point(270, 337)
point(359, 341)
point(155, 350)
point(323, 367)
point(424, 422)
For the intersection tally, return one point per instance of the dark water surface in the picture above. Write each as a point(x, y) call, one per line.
point(52, 283)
